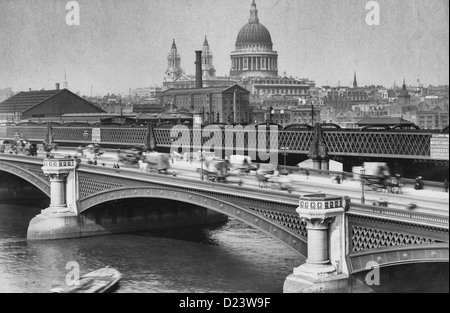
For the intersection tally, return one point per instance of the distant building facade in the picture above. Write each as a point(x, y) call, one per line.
point(432, 119)
point(215, 104)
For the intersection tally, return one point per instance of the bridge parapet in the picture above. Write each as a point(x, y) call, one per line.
point(420, 218)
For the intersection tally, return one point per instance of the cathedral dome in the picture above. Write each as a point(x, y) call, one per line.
point(254, 33)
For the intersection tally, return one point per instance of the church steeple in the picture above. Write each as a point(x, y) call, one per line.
point(403, 95)
point(253, 13)
point(207, 61)
point(355, 83)
point(173, 63)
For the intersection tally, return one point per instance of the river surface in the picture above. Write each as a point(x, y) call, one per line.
point(231, 257)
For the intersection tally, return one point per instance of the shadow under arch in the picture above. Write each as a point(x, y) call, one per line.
point(28, 176)
point(292, 240)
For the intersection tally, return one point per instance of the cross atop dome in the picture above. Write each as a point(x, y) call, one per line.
point(253, 13)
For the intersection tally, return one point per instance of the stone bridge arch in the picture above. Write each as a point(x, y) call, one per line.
point(247, 216)
point(24, 173)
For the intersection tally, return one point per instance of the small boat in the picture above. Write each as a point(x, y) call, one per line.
point(98, 281)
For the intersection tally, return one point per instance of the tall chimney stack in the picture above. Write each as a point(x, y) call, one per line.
point(57, 86)
point(198, 69)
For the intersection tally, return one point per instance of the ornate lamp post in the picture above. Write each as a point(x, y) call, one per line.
point(363, 171)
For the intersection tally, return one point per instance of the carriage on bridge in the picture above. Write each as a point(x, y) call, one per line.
point(379, 178)
point(218, 170)
point(268, 177)
point(156, 162)
point(130, 157)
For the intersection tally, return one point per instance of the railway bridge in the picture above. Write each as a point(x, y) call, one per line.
point(407, 151)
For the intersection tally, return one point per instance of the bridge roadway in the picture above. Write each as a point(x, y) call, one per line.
point(426, 201)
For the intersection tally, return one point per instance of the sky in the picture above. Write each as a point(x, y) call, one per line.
point(122, 44)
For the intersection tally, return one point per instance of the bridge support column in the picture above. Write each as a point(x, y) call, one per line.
point(57, 170)
point(318, 273)
point(58, 190)
point(61, 173)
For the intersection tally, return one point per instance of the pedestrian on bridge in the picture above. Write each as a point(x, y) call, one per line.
point(307, 174)
point(419, 183)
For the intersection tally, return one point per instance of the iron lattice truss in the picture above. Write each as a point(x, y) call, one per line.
point(89, 185)
point(342, 143)
point(383, 144)
point(291, 221)
point(29, 132)
point(365, 238)
point(134, 136)
point(72, 134)
point(121, 136)
point(386, 144)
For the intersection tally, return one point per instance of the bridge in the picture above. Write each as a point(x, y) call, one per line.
point(412, 148)
point(339, 238)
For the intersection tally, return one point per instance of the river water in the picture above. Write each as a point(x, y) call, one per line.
point(231, 257)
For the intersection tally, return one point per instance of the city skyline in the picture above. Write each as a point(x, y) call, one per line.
point(118, 46)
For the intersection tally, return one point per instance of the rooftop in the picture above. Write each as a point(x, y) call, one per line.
point(26, 99)
point(388, 121)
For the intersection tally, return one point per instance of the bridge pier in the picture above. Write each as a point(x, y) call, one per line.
point(62, 219)
point(62, 176)
point(325, 268)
